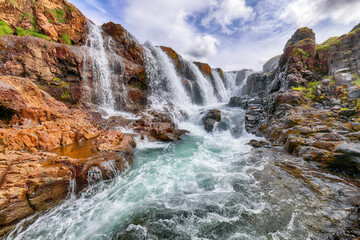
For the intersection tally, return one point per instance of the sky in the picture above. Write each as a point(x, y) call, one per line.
point(231, 34)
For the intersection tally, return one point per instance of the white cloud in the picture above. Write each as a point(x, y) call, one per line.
point(310, 12)
point(165, 22)
point(268, 25)
point(204, 47)
point(225, 12)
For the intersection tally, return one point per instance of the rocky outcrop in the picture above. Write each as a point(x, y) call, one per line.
point(300, 105)
point(210, 118)
point(242, 75)
point(33, 121)
point(271, 64)
point(53, 142)
point(55, 20)
point(55, 68)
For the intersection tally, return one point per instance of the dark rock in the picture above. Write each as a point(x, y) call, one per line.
point(241, 76)
point(271, 64)
point(343, 76)
point(352, 149)
point(256, 85)
point(301, 34)
point(354, 94)
point(258, 144)
point(211, 117)
point(347, 112)
point(236, 102)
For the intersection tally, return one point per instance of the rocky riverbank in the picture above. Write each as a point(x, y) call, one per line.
point(308, 102)
point(54, 140)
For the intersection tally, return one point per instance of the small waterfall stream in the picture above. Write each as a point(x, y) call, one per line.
point(223, 93)
point(101, 70)
point(207, 90)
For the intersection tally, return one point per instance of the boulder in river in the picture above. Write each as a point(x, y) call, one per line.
point(211, 117)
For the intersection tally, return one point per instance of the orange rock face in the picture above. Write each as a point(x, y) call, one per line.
point(32, 121)
point(54, 18)
point(53, 67)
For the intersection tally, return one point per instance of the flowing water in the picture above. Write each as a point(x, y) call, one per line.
point(219, 85)
point(101, 70)
point(206, 186)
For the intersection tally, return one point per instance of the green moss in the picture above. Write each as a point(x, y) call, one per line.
point(39, 35)
point(297, 52)
point(356, 79)
point(14, 3)
point(25, 15)
point(66, 39)
point(299, 89)
point(33, 21)
point(65, 85)
point(21, 32)
point(312, 87)
point(65, 95)
point(31, 32)
point(5, 29)
point(60, 15)
point(323, 47)
point(56, 79)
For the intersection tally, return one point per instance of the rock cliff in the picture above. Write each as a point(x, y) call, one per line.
point(52, 134)
point(308, 102)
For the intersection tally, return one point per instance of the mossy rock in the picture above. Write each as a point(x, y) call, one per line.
point(5, 29)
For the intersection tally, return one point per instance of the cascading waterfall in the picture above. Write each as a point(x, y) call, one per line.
point(206, 87)
point(167, 89)
point(230, 80)
point(238, 90)
point(219, 84)
point(100, 67)
point(207, 186)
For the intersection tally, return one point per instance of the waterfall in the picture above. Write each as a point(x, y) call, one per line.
point(100, 67)
point(223, 94)
point(206, 88)
point(237, 91)
point(230, 80)
point(167, 89)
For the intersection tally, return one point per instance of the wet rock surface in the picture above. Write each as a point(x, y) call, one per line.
point(211, 117)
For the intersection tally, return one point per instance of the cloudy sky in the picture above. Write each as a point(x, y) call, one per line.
point(231, 34)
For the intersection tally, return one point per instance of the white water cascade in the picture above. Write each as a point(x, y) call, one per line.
point(230, 80)
point(219, 84)
point(167, 89)
point(237, 90)
point(100, 68)
point(207, 90)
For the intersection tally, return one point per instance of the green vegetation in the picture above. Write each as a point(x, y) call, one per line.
point(21, 32)
point(60, 14)
point(356, 79)
point(66, 39)
point(5, 29)
point(299, 89)
point(14, 2)
point(323, 47)
point(297, 52)
point(56, 79)
point(30, 32)
point(25, 15)
point(65, 95)
point(333, 41)
point(33, 21)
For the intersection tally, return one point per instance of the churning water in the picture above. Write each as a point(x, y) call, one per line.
point(207, 186)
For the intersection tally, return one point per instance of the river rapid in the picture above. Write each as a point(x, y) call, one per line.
point(206, 186)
